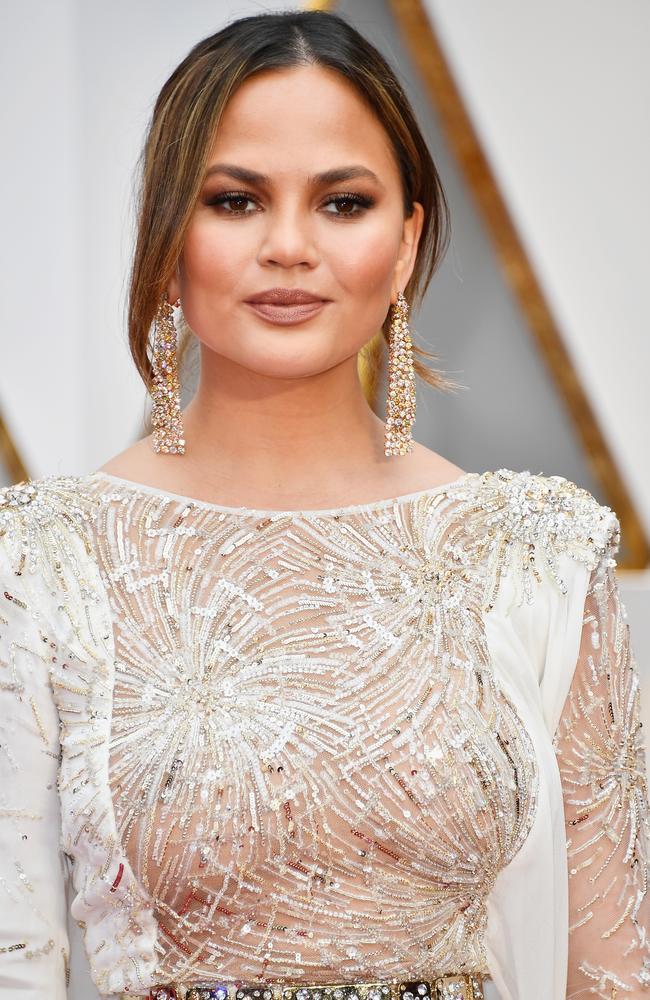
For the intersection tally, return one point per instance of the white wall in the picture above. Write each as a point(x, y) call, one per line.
point(559, 94)
point(41, 256)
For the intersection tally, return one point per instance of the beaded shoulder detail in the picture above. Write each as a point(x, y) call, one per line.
point(524, 522)
point(39, 517)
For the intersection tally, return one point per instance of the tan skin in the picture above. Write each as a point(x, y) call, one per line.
point(279, 420)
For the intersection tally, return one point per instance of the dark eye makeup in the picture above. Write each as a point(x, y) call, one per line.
point(363, 201)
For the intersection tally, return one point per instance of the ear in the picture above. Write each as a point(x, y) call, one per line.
point(408, 250)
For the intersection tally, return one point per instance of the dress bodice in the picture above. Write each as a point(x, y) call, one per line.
point(309, 750)
point(318, 745)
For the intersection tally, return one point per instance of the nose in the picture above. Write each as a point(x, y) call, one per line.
point(288, 237)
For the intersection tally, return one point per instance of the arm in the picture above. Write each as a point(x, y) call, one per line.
point(33, 935)
point(601, 758)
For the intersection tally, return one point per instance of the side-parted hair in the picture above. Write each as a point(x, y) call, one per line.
point(181, 134)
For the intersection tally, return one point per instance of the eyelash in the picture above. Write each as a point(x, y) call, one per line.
point(358, 199)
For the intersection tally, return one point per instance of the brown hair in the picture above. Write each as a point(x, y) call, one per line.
point(181, 133)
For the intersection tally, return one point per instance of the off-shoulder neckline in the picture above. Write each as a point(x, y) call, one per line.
point(373, 505)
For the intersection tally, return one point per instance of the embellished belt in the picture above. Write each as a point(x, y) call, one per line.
point(466, 986)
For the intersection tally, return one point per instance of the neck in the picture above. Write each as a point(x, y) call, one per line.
point(281, 436)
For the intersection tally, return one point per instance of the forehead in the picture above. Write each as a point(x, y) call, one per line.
point(305, 117)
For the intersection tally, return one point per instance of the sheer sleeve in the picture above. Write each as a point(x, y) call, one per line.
point(33, 928)
point(601, 758)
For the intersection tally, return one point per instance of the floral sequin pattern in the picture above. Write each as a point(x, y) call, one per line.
point(522, 522)
point(36, 520)
point(308, 744)
point(602, 760)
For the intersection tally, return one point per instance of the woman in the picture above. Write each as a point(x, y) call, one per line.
point(292, 706)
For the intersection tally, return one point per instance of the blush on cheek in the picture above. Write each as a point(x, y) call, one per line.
point(213, 258)
point(368, 267)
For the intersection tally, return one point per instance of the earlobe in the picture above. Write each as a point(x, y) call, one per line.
point(173, 290)
point(174, 285)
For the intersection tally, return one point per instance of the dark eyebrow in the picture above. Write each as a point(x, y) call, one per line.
point(333, 176)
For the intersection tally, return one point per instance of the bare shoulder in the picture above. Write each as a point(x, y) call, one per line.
point(133, 462)
point(139, 463)
point(426, 468)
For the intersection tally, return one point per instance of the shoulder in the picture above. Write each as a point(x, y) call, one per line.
point(531, 523)
point(44, 524)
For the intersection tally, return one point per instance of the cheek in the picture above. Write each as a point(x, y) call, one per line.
point(212, 255)
point(364, 266)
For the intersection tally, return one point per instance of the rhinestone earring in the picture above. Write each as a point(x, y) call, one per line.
point(165, 392)
point(400, 395)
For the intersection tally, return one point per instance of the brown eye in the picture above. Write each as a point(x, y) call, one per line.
point(350, 200)
point(238, 200)
point(238, 197)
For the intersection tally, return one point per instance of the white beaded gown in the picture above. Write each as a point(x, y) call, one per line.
point(386, 741)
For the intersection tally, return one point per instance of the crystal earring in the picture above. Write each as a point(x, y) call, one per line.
point(400, 395)
point(165, 392)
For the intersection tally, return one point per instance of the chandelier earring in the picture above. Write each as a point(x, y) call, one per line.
point(165, 391)
point(400, 394)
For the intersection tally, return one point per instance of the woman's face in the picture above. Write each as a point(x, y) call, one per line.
point(290, 231)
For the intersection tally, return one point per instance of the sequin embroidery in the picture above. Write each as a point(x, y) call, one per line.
point(283, 741)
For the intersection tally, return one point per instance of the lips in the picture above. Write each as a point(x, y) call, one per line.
point(285, 297)
point(288, 315)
